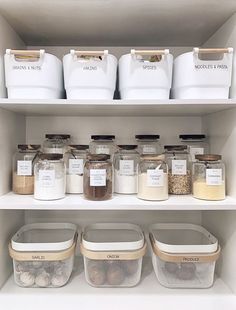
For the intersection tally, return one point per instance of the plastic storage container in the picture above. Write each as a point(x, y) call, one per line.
point(148, 144)
point(90, 74)
point(33, 75)
point(203, 74)
point(113, 254)
point(56, 143)
point(183, 255)
point(43, 254)
point(197, 144)
point(145, 74)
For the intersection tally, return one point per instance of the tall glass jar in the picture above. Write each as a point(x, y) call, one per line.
point(209, 177)
point(75, 160)
point(197, 144)
point(153, 178)
point(50, 179)
point(56, 143)
point(102, 144)
point(23, 168)
point(126, 169)
point(98, 177)
point(179, 176)
point(148, 144)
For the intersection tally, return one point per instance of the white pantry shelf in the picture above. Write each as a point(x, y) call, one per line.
point(118, 202)
point(64, 107)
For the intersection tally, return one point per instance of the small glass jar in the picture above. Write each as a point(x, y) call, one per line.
point(98, 177)
point(148, 144)
point(23, 168)
point(126, 169)
point(197, 144)
point(209, 177)
point(153, 178)
point(179, 175)
point(75, 159)
point(102, 144)
point(56, 143)
point(50, 180)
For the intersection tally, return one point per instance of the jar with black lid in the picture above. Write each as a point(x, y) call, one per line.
point(148, 144)
point(197, 144)
point(56, 143)
point(102, 144)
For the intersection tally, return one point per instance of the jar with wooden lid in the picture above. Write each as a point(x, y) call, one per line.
point(56, 143)
point(209, 177)
point(197, 144)
point(103, 144)
point(148, 144)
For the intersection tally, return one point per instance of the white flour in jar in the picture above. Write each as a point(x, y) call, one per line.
point(155, 191)
point(55, 189)
point(74, 184)
point(125, 184)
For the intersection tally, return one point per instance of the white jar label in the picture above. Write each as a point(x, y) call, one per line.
point(196, 151)
point(126, 167)
point(76, 166)
point(102, 149)
point(155, 178)
point(47, 178)
point(97, 177)
point(24, 167)
point(214, 176)
point(179, 167)
point(148, 149)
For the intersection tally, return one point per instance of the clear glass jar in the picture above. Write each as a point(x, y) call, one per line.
point(179, 175)
point(23, 168)
point(50, 179)
point(148, 144)
point(197, 144)
point(75, 159)
point(56, 143)
point(126, 169)
point(153, 178)
point(209, 177)
point(102, 144)
point(98, 177)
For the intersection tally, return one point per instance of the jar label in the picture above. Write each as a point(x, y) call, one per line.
point(214, 176)
point(126, 167)
point(76, 166)
point(148, 149)
point(97, 177)
point(24, 167)
point(102, 149)
point(46, 178)
point(196, 151)
point(155, 178)
point(179, 167)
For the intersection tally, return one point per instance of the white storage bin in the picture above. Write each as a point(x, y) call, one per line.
point(183, 255)
point(203, 74)
point(145, 79)
point(90, 74)
point(33, 75)
point(113, 254)
point(43, 254)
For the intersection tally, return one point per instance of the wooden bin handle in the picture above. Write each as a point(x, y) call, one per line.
point(149, 52)
point(212, 50)
point(89, 53)
point(26, 53)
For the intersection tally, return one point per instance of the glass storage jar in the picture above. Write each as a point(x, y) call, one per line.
point(75, 159)
point(102, 144)
point(197, 144)
point(23, 168)
point(209, 177)
point(98, 177)
point(56, 143)
point(153, 178)
point(126, 169)
point(49, 177)
point(148, 144)
point(179, 175)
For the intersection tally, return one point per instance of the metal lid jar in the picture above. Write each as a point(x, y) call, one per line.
point(153, 178)
point(148, 144)
point(75, 159)
point(209, 177)
point(49, 177)
point(179, 175)
point(23, 168)
point(102, 144)
point(126, 169)
point(197, 144)
point(56, 143)
point(98, 177)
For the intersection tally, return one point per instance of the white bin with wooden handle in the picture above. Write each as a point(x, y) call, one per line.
point(90, 74)
point(33, 74)
point(145, 74)
point(203, 74)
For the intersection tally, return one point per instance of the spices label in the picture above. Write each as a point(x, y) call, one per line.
point(155, 178)
point(148, 149)
point(97, 177)
point(196, 151)
point(214, 176)
point(179, 167)
point(24, 167)
point(46, 178)
point(76, 166)
point(126, 167)
point(102, 149)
